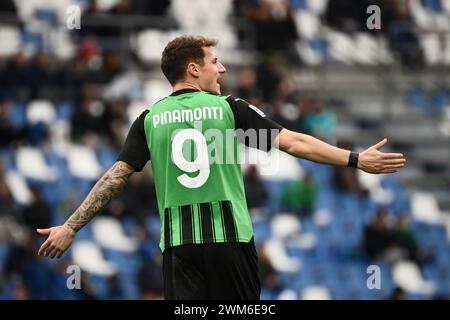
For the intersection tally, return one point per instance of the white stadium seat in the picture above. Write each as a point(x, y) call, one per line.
point(88, 256)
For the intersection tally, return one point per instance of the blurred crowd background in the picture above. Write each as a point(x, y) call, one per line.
point(69, 96)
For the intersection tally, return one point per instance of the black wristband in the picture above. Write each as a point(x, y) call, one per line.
point(353, 159)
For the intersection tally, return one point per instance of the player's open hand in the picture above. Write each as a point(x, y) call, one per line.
point(59, 240)
point(372, 160)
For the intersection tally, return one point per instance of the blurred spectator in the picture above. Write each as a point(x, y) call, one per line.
point(392, 240)
point(42, 77)
point(37, 214)
point(16, 78)
point(8, 6)
point(2, 171)
point(247, 87)
point(255, 191)
point(299, 196)
point(139, 197)
point(379, 238)
point(406, 239)
point(272, 23)
point(270, 280)
point(87, 123)
point(315, 121)
point(90, 55)
point(115, 118)
point(398, 294)
point(284, 104)
point(150, 279)
point(154, 7)
point(101, 10)
point(285, 114)
point(6, 201)
point(11, 231)
point(15, 289)
point(402, 35)
point(345, 178)
point(112, 66)
point(7, 132)
point(268, 77)
point(347, 16)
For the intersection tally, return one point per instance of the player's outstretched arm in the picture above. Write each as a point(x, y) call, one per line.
point(107, 187)
point(370, 160)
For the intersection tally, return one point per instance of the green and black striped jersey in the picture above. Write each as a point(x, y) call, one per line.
point(192, 139)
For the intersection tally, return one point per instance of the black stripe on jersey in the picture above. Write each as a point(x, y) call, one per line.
point(228, 221)
point(167, 227)
point(199, 216)
point(186, 224)
point(206, 219)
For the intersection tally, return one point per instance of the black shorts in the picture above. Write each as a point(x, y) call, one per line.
point(220, 271)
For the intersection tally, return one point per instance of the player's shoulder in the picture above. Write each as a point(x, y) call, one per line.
point(241, 104)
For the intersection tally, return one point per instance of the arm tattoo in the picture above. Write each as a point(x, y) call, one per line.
point(101, 194)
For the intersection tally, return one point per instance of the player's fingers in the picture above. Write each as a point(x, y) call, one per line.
point(379, 144)
point(388, 171)
point(49, 251)
point(382, 170)
point(44, 231)
point(394, 161)
point(394, 165)
point(393, 156)
point(53, 253)
point(60, 253)
point(44, 247)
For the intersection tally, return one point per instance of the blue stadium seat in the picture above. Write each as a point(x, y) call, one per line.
point(18, 115)
point(320, 46)
point(417, 99)
point(440, 98)
point(8, 158)
point(299, 4)
point(65, 110)
point(106, 157)
point(434, 5)
point(4, 250)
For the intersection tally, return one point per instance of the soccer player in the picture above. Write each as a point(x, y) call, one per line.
point(206, 231)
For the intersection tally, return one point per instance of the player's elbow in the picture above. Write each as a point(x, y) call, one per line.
point(294, 144)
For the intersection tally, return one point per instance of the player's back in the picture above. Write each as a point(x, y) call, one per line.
point(195, 161)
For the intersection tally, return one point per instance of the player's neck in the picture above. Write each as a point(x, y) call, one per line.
point(186, 85)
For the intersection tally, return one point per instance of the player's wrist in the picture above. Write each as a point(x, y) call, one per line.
point(353, 159)
point(70, 228)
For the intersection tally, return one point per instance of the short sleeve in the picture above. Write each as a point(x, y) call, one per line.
point(135, 150)
point(249, 120)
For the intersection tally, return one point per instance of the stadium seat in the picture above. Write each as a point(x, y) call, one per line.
point(83, 162)
point(18, 116)
point(41, 111)
point(19, 188)
point(315, 293)
point(89, 257)
point(407, 275)
point(108, 232)
point(31, 164)
point(277, 255)
point(317, 6)
point(10, 40)
point(425, 208)
point(65, 110)
point(155, 90)
point(307, 23)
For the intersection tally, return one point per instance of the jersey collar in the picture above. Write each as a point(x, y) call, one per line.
point(183, 91)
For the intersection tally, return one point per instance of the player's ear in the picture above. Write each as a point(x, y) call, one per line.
point(193, 69)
